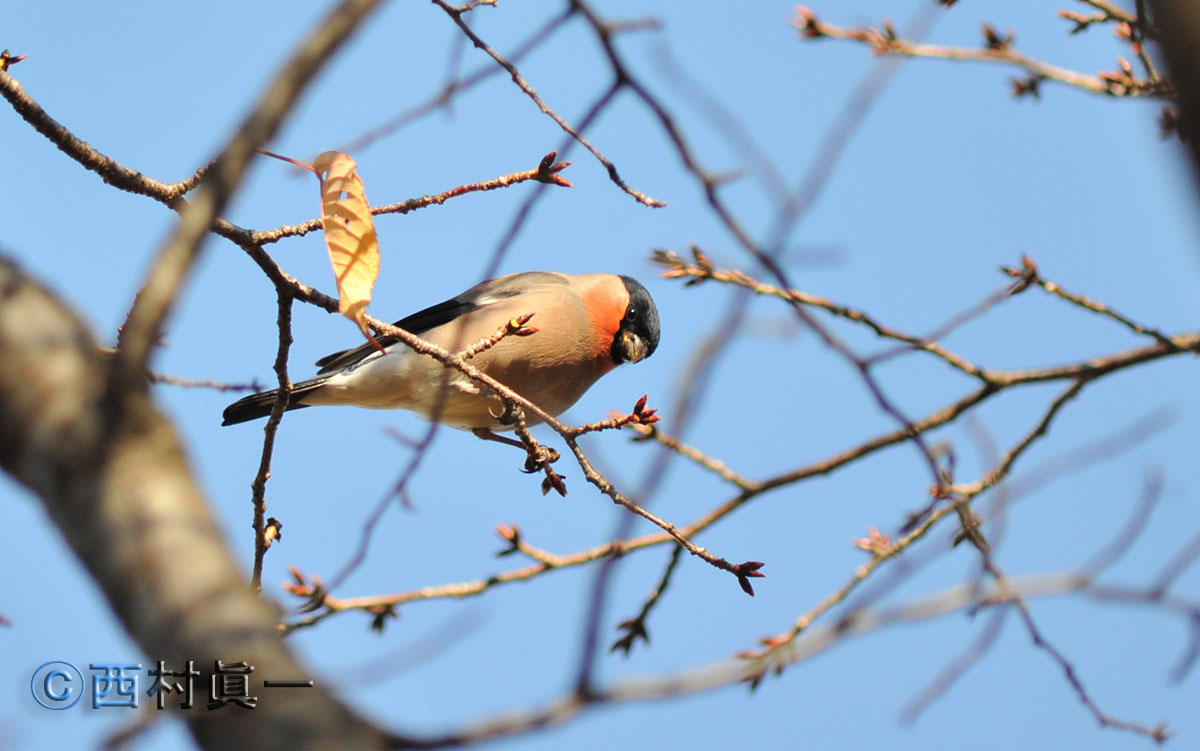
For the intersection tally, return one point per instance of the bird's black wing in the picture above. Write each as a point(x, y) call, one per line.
point(417, 323)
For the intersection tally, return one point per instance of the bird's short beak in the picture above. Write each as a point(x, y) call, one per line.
point(635, 349)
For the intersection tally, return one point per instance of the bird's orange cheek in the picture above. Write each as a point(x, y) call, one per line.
point(606, 309)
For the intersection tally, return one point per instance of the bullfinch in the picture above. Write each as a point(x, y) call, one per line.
point(587, 324)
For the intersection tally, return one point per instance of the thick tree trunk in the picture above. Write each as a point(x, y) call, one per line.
point(1178, 24)
point(115, 481)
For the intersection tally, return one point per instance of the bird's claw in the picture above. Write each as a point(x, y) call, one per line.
point(539, 458)
point(507, 417)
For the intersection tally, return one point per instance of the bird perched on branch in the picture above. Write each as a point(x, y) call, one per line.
point(586, 325)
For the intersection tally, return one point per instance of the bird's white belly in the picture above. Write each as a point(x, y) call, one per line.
point(406, 380)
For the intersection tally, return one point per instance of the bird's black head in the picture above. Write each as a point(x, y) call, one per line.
point(637, 338)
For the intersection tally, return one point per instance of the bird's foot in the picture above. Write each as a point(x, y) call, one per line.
point(488, 435)
point(539, 457)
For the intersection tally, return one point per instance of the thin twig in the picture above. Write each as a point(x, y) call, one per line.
point(546, 172)
point(201, 383)
point(258, 487)
point(1158, 733)
point(1001, 471)
point(399, 490)
point(456, 15)
point(653, 433)
point(703, 270)
point(635, 628)
point(1178, 564)
point(456, 86)
point(1085, 302)
point(517, 544)
point(109, 170)
point(957, 667)
point(1111, 10)
point(1130, 531)
point(885, 42)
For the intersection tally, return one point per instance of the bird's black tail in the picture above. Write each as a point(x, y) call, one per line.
point(259, 405)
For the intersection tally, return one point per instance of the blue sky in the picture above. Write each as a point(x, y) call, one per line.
point(947, 179)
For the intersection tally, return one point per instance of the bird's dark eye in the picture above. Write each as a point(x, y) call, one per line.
point(631, 313)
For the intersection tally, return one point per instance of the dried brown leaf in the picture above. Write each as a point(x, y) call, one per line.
point(349, 234)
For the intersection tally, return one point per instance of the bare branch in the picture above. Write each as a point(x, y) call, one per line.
point(258, 488)
point(456, 86)
point(635, 628)
point(650, 432)
point(546, 172)
point(962, 662)
point(998, 49)
point(109, 170)
point(958, 598)
point(193, 383)
point(455, 14)
point(1030, 273)
point(703, 270)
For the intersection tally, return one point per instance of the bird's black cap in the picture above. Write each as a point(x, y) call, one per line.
point(641, 320)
